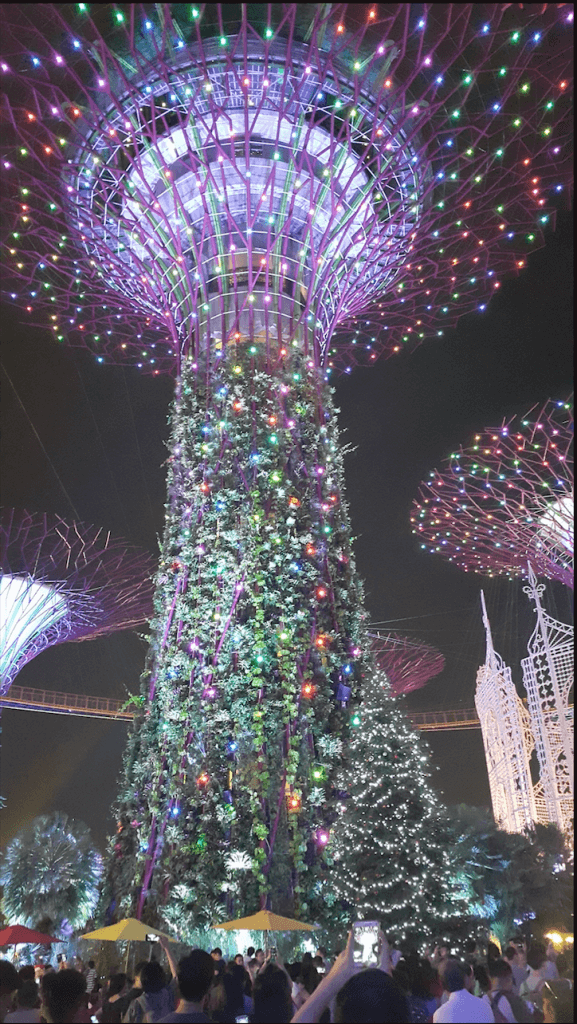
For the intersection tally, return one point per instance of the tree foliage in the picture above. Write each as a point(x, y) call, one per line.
point(51, 873)
point(508, 877)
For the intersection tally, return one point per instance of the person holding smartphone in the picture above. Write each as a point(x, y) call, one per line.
point(357, 991)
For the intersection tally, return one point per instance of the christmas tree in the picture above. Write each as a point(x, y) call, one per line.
point(392, 861)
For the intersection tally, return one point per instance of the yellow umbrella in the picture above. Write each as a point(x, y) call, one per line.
point(266, 921)
point(129, 930)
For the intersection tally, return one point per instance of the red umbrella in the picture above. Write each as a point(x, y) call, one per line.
point(15, 934)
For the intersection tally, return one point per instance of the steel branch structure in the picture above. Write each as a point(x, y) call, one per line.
point(64, 581)
point(506, 500)
point(250, 197)
point(407, 662)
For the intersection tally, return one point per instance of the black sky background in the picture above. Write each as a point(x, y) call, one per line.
point(88, 441)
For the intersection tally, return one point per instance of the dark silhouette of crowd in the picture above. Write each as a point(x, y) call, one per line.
point(523, 984)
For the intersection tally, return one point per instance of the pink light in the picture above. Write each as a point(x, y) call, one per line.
point(322, 838)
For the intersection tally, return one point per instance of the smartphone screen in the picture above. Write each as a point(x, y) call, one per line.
point(151, 937)
point(241, 1020)
point(366, 943)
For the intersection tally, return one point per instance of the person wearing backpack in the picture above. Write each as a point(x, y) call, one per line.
point(157, 999)
point(507, 1007)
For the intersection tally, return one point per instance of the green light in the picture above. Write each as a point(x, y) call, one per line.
point(119, 17)
point(195, 12)
point(500, 209)
point(502, 71)
point(456, 113)
point(223, 40)
point(547, 131)
point(525, 87)
point(530, 238)
point(515, 37)
point(269, 33)
point(517, 122)
point(499, 152)
point(549, 105)
point(467, 79)
point(82, 8)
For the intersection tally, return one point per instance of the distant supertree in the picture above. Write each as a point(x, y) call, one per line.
point(407, 662)
point(64, 581)
point(250, 196)
point(507, 499)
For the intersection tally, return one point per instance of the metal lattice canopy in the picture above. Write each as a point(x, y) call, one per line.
point(343, 178)
point(64, 581)
point(408, 663)
point(506, 499)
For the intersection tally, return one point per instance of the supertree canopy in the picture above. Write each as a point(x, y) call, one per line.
point(407, 662)
point(251, 196)
point(507, 499)
point(64, 581)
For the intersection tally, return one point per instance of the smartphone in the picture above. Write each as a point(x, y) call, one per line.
point(241, 1020)
point(151, 937)
point(273, 952)
point(366, 943)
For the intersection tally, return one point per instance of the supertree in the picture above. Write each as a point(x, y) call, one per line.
point(64, 581)
point(407, 662)
point(507, 499)
point(250, 197)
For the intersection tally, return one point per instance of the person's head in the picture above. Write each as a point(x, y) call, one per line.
point(309, 976)
point(117, 984)
point(259, 956)
point(536, 955)
point(152, 977)
point(321, 951)
point(371, 996)
point(138, 973)
point(8, 984)
point(26, 973)
point(250, 953)
point(481, 976)
point(28, 996)
point(558, 1004)
point(470, 947)
point(91, 964)
point(195, 974)
point(272, 997)
point(551, 952)
point(493, 952)
point(509, 954)
point(239, 959)
point(62, 995)
point(443, 951)
point(216, 953)
point(453, 975)
point(501, 975)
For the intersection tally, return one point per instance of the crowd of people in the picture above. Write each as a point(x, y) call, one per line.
point(523, 984)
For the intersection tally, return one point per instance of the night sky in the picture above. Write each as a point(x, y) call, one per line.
point(88, 442)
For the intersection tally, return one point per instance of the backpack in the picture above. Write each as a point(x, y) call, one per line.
point(520, 1010)
point(499, 1017)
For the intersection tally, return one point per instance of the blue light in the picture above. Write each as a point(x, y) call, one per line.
point(148, 25)
point(76, 44)
point(421, 23)
point(558, 188)
point(496, 107)
point(347, 669)
point(536, 37)
point(35, 61)
point(175, 811)
point(441, 174)
point(232, 746)
point(450, 142)
point(486, 28)
point(439, 79)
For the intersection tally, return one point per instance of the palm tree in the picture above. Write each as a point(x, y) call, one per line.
point(51, 873)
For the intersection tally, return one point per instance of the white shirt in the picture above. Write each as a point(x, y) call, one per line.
point(463, 1008)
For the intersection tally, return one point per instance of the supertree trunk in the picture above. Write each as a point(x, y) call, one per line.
point(254, 648)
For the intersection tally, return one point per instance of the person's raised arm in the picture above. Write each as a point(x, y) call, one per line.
point(316, 1004)
point(171, 961)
